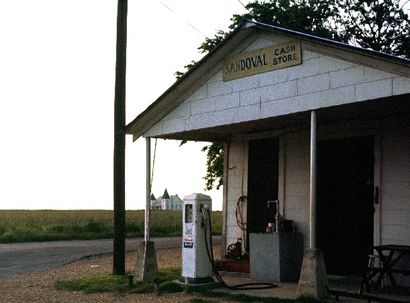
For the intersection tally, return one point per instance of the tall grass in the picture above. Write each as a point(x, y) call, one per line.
point(49, 225)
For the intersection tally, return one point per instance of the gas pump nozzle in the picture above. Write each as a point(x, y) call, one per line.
point(278, 218)
point(205, 215)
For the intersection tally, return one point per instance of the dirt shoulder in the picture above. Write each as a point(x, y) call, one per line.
point(39, 287)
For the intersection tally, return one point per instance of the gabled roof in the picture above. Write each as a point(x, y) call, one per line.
point(174, 199)
point(171, 98)
point(165, 195)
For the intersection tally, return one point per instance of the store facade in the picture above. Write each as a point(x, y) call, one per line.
point(256, 93)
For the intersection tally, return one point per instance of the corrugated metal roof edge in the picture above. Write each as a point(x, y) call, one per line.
point(129, 129)
point(330, 41)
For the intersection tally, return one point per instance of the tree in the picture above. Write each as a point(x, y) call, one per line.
point(214, 165)
point(308, 16)
point(380, 25)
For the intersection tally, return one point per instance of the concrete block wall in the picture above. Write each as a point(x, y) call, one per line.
point(296, 180)
point(395, 175)
point(236, 178)
point(296, 174)
point(320, 81)
point(395, 186)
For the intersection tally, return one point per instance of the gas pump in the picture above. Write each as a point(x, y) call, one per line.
point(196, 266)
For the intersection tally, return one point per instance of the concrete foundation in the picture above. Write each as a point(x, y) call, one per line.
point(146, 267)
point(313, 278)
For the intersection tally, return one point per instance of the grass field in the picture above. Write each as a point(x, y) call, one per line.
point(49, 225)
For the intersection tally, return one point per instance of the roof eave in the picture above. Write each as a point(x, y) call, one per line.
point(143, 121)
point(169, 99)
point(329, 42)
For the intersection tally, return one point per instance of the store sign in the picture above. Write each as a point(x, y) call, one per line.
point(263, 60)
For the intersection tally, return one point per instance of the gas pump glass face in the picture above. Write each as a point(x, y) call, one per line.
point(188, 213)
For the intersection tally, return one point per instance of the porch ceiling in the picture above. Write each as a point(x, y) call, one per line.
point(368, 110)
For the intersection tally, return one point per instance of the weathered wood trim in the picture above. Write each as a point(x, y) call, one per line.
point(225, 199)
point(282, 175)
point(377, 223)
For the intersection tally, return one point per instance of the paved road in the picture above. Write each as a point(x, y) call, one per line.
point(39, 256)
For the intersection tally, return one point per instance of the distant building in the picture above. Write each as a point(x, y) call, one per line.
point(166, 202)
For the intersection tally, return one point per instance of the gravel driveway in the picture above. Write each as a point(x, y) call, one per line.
point(39, 287)
point(40, 256)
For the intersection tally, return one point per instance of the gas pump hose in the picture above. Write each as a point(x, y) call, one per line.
point(209, 251)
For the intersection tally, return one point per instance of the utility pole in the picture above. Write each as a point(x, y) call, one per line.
point(119, 140)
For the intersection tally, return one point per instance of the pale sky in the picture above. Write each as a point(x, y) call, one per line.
point(57, 71)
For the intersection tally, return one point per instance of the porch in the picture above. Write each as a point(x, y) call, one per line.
point(364, 143)
point(342, 289)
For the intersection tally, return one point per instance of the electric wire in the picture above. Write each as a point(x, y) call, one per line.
point(244, 6)
point(209, 252)
point(153, 165)
point(183, 19)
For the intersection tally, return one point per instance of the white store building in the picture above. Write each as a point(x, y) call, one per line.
point(264, 91)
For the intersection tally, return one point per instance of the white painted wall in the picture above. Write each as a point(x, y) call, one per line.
point(236, 175)
point(395, 187)
point(320, 81)
point(296, 180)
point(294, 174)
point(394, 136)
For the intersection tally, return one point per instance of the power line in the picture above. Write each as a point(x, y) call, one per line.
point(242, 4)
point(186, 21)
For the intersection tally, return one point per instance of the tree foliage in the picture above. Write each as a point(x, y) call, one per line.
point(210, 43)
point(380, 25)
point(214, 165)
point(308, 16)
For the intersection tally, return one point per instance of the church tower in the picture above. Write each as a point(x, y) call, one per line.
point(166, 201)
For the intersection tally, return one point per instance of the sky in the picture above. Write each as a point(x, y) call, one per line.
point(57, 72)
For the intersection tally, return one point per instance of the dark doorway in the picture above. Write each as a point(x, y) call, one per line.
point(345, 203)
point(262, 182)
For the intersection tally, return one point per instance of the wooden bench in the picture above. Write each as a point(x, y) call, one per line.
point(365, 297)
point(388, 255)
point(405, 272)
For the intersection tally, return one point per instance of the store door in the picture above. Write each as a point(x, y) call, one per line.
point(262, 181)
point(345, 208)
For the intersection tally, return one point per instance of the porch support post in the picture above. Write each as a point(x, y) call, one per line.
point(146, 267)
point(313, 278)
point(313, 165)
point(147, 188)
